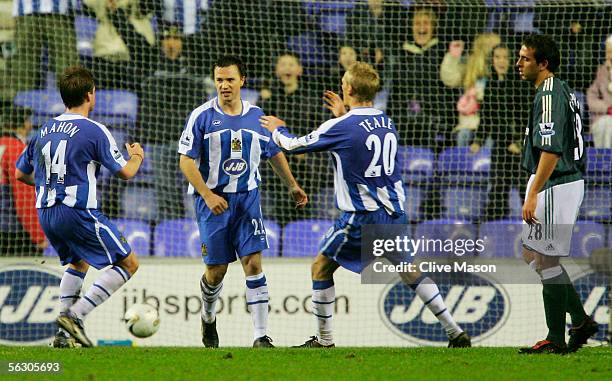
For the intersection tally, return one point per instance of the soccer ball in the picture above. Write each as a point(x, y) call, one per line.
point(142, 320)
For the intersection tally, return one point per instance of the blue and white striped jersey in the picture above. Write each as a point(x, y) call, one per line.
point(29, 7)
point(363, 144)
point(185, 13)
point(66, 155)
point(229, 148)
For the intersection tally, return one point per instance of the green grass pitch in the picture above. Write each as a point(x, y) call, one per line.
point(124, 363)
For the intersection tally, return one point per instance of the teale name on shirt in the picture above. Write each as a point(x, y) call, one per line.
point(373, 123)
point(63, 127)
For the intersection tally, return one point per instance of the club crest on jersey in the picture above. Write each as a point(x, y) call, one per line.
point(546, 132)
point(235, 166)
point(236, 145)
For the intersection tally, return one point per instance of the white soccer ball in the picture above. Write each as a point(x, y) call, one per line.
point(142, 320)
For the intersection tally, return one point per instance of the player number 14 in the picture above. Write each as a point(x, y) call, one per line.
point(56, 164)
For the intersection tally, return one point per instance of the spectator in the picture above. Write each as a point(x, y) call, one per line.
point(577, 28)
point(371, 28)
point(419, 103)
point(190, 18)
point(472, 75)
point(332, 80)
point(7, 48)
point(123, 44)
point(599, 99)
point(502, 118)
point(20, 231)
point(300, 105)
point(37, 25)
point(167, 97)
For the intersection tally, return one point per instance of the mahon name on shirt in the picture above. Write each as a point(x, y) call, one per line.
point(62, 127)
point(370, 124)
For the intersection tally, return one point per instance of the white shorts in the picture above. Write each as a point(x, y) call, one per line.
point(557, 210)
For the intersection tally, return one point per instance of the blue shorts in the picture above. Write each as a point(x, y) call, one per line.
point(342, 242)
point(237, 232)
point(78, 234)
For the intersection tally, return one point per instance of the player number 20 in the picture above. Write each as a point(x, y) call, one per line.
point(389, 150)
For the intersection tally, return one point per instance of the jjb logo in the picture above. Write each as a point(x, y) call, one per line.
point(594, 291)
point(29, 305)
point(234, 167)
point(479, 307)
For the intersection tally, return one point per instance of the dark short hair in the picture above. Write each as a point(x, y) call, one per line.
point(226, 61)
point(17, 116)
point(74, 84)
point(290, 54)
point(545, 49)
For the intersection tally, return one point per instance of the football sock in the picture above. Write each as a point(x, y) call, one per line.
point(574, 304)
point(554, 293)
point(106, 284)
point(210, 294)
point(429, 293)
point(70, 288)
point(257, 303)
point(323, 298)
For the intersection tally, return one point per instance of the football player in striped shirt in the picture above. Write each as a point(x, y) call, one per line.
point(221, 149)
point(369, 190)
point(554, 156)
point(63, 161)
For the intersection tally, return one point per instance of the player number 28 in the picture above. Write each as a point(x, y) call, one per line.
point(389, 150)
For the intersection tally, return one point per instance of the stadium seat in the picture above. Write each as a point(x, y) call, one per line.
point(464, 202)
point(250, 95)
point(501, 238)
point(587, 236)
point(308, 48)
point(115, 107)
point(45, 104)
point(459, 165)
point(597, 204)
point(85, 29)
point(412, 205)
point(138, 235)
point(381, 99)
point(273, 231)
point(301, 238)
point(599, 170)
point(177, 238)
point(443, 229)
point(139, 203)
point(323, 204)
point(417, 164)
point(516, 204)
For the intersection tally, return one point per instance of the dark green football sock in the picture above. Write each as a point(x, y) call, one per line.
point(574, 304)
point(554, 293)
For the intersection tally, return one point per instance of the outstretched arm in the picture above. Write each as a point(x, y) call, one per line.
point(281, 168)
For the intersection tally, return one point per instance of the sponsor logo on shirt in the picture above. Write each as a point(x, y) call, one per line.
point(216, 122)
point(234, 167)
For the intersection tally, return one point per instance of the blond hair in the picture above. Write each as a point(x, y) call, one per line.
point(427, 13)
point(364, 80)
point(478, 63)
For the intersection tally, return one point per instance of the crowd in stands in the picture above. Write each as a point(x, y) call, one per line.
point(447, 70)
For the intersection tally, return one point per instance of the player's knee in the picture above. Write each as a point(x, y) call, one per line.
point(130, 264)
point(215, 274)
point(321, 268)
